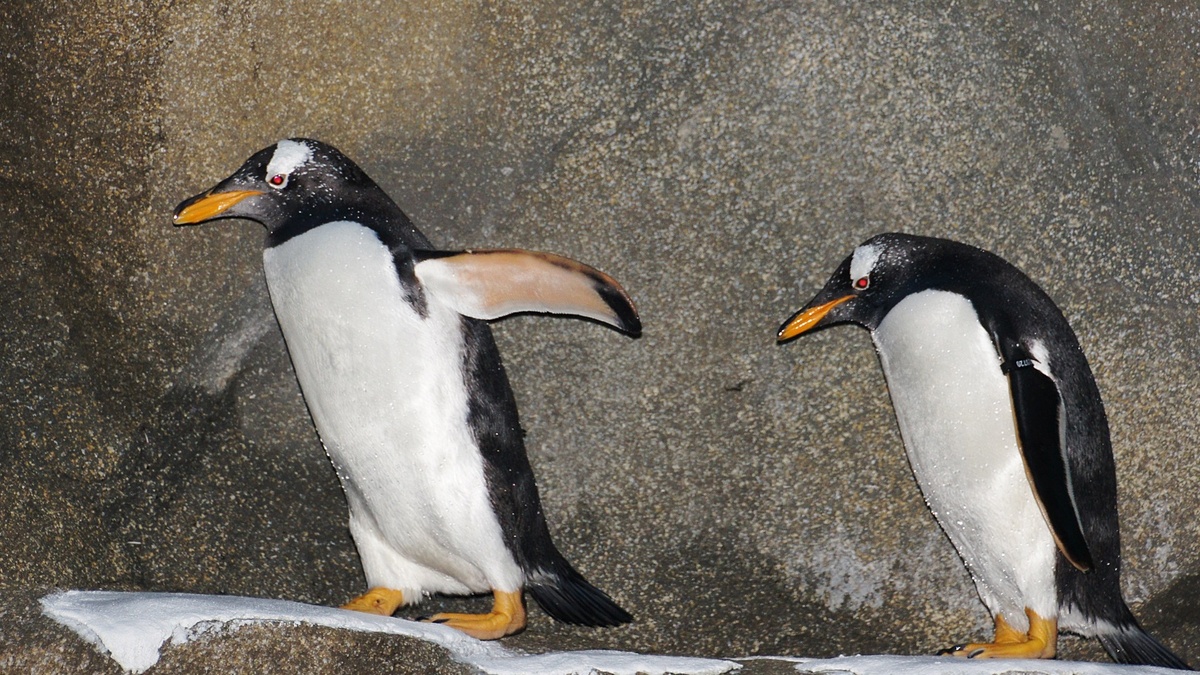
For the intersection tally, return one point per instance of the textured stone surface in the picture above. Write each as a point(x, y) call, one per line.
point(719, 159)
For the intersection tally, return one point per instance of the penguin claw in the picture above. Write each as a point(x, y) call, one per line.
point(951, 651)
point(957, 650)
point(1028, 649)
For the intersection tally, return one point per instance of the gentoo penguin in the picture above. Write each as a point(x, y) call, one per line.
point(406, 388)
point(1006, 435)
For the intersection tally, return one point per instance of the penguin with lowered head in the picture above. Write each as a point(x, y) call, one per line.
point(1005, 432)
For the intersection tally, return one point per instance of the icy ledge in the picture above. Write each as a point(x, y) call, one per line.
point(941, 665)
point(132, 628)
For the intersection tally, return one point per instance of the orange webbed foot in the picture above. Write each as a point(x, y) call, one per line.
point(507, 617)
point(1041, 642)
point(381, 601)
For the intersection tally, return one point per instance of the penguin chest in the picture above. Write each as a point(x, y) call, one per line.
point(385, 386)
point(954, 410)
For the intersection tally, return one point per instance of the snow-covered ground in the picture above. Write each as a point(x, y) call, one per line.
point(133, 627)
point(942, 665)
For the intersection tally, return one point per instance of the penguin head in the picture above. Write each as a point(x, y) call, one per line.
point(295, 184)
point(868, 284)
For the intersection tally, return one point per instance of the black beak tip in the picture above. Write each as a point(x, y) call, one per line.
point(779, 334)
point(183, 205)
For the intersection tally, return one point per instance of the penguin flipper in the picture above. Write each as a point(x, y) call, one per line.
point(1038, 409)
point(489, 284)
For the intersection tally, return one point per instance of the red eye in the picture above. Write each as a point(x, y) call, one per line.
point(277, 180)
point(862, 283)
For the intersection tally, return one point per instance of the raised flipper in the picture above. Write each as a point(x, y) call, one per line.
point(1038, 408)
point(489, 284)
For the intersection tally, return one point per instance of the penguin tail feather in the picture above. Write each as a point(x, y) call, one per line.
point(1132, 645)
point(569, 598)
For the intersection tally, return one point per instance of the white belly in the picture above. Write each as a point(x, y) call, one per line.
point(955, 414)
point(385, 389)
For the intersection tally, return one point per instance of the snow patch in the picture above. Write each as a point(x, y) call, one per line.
point(132, 627)
point(590, 661)
point(843, 580)
point(943, 665)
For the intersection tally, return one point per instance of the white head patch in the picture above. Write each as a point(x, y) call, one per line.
point(864, 259)
point(289, 156)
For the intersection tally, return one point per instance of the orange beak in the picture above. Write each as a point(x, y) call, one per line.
point(807, 319)
point(210, 206)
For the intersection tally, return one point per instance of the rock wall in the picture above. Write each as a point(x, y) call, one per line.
point(719, 159)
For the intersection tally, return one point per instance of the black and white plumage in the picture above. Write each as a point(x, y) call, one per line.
point(1006, 434)
point(406, 387)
